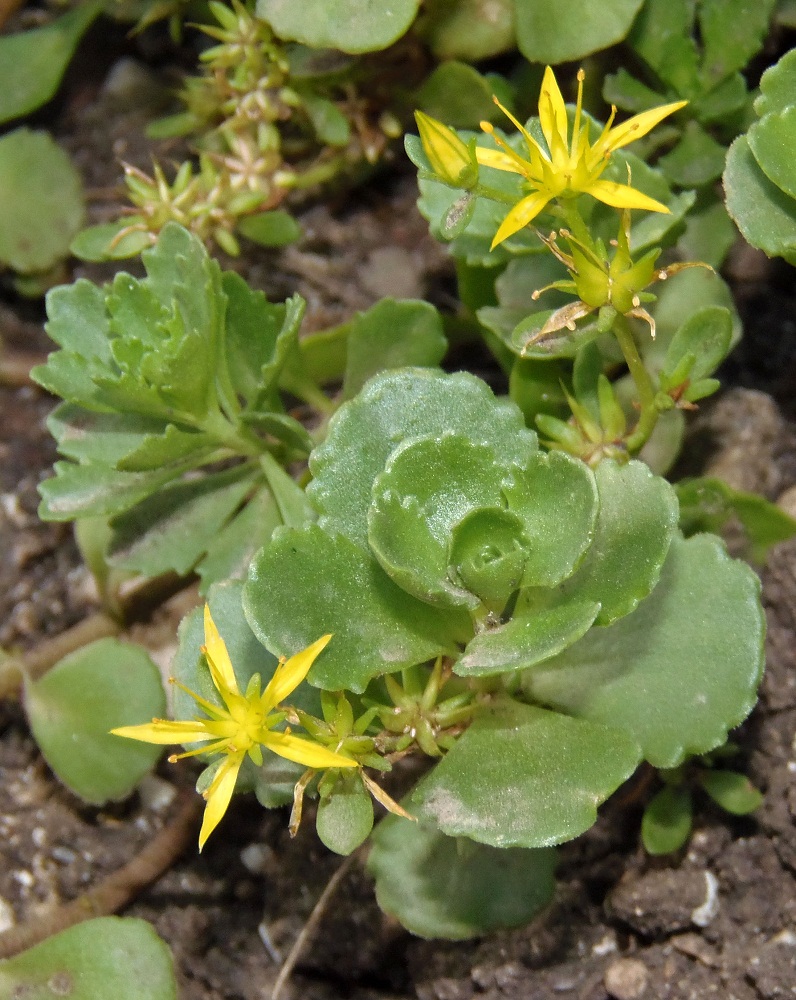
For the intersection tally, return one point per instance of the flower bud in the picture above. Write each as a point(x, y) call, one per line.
point(450, 158)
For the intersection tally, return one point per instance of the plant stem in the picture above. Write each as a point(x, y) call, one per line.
point(644, 386)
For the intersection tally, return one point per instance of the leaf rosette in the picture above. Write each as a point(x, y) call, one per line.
point(596, 635)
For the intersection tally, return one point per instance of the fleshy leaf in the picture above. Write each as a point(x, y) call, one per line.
point(680, 671)
point(429, 485)
point(119, 957)
point(392, 408)
point(348, 25)
point(392, 335)
point(230, 552)
point(666, 822)
point(448, 887)
point(41, 201)
point(732, 791)
point(306, 583)
point(707, 334)
point(74, 705)
point(345, 817)
point(637, 519)
point(772, 141)
point(552, 31)
point(522, 776)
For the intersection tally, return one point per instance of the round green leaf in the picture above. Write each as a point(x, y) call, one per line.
point(41, 201)
point(468, 29)
point(345, 818)
point(533, 635)
point(637, 519)
point(778, 85)
point(707, 334)
point(277, 228)
point(447, 887)
point(772, 140)
point(390, 409)
point(428, 486)
point(73, 707)
point(764, 213)
point(458, 95)
point(306, 583)
point(556, 497)
point(666, 822)
point(114, 957)
point(348, 25)
point(554, 31)
point(105, 242)
point(679, 672)
point(522, 776)
point(732, 791)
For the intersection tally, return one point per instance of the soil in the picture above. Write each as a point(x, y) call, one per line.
point(717, 919)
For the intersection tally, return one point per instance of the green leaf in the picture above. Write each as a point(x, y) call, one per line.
point(468, 29)
point(446, 887)
point(392, 408)
point(777, 86)
point(91, 490)
point(662, 36)
point(637, 519)
point(270, 229)
point(348, 25)
point(291, 500)
point(172, 528)
point(554, 31)
point(230, 552)
point(105, 242)
point(330, 124)
point(707, 503)
point(764, 213)
point(626, 92)
point(74, 705)
point(33, 62)
point(114, 957)
point(557, 498)
point(732, 31)
point(41, 201)
point(458, 95)
point(707, 335)
point(732, 791)
point(521, 776)
point(427, 488)
point(306, 583)
point(345, 816)
point(772, 140)
point(666, 823)
point(530, 637)
point(170, 446)
point(680, 671)
point(99, 437)
point(392, 335)
point(696, 160)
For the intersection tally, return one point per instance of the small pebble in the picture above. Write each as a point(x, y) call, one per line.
point(7, 917)
point(626, 979)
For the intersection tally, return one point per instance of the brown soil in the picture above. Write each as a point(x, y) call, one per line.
point(719, 919)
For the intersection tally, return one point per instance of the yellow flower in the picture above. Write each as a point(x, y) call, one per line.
point(569, 166)
point(243, 726)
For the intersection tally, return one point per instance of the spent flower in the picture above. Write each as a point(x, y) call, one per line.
point(244, 725)
point(570, 165)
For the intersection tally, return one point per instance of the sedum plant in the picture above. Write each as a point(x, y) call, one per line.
point(521, 615)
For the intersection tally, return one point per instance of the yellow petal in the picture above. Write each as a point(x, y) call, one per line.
point(219, 794)
point(637, 126)
point(519, 217)
point(217, 657)
point(164, 732)
point(623, 196)
point(304, 752)
point(500, 161)
point(553, 114)
point(290, 674)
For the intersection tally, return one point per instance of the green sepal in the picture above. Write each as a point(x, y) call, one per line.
point(306, 583)
point(522, 776)
point(666, 823)
point(73, 707)
point(453, 888)
point(680, 671)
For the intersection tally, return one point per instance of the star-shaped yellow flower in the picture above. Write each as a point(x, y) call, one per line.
point(243, 726)
point(569, 166)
